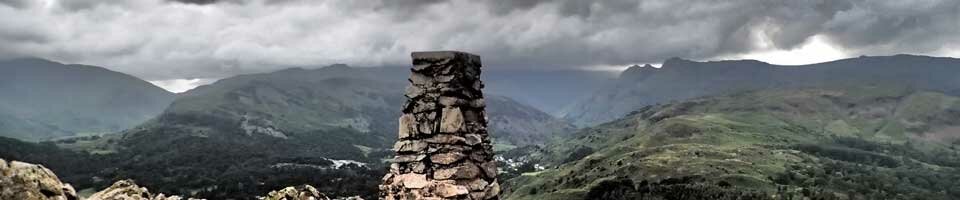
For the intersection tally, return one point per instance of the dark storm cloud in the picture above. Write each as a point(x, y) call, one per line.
point(165, 39)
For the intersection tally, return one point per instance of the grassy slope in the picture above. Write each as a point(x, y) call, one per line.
point(751, 141)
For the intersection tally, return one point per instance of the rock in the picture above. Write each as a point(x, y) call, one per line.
point(451, 101)
point(446, 139)
point(447, 158)
point(477, 185)
point(424, 107)
point(408, 158)
point(413, 91)
point(128, 190)
point(472, 139)
point(19, 180)
point(410, 146)
point(493, 191)
point(418, 167)
point(477, 195)
point(464, 171)
point(420, 80)
point(478, 103)
point(421, 67)
point(478, 86)
point(447, 190)
point(407, 126)
point(479, 156)
point(425, 129)
point(490, 169)
point(470, 115)
point(451, 120)
point(413, 180)
point(445, 78)
point(303, 192)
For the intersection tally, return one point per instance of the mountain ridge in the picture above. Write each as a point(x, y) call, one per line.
point(680, 79)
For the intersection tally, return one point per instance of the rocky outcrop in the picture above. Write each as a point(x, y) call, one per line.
point(19, 180)
point(25, 181)
point(443, 151)
point(128, 190)
point(303, 192)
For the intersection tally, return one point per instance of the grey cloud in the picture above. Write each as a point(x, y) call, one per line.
point(198, 2)
point(890, 26)
point(209, 2)
point(15, 3)
point(162, 39)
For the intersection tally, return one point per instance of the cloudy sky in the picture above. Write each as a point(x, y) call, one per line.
point(187, 42)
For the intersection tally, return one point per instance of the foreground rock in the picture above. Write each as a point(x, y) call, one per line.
point(25, 181)
point(128, 190)
point(19, 180)
point(443, 151)
point(303, 192)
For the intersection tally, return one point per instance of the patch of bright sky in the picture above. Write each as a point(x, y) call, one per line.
point(950, 53)
point(817, 49)
point(617, 68)
point(182, 85)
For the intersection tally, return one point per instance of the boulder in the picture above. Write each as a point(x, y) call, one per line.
point(19, 180)
point(128, 190)
point(303, 192)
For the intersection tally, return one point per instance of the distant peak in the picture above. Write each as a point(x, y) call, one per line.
point(637, 71)
point(675, 61)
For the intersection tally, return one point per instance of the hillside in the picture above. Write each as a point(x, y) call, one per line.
point(249, 134)
point(680, 79)
point(42, 100)
point(870, 142)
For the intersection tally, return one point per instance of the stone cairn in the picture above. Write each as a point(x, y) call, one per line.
point(443, 151)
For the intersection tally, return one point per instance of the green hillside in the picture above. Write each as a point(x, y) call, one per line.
point(859, 143)
point(41, 99)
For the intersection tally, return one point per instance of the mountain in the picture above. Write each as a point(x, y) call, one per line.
point(838, 142)
point(43, 99)
point(249, 134)
point(680, 79)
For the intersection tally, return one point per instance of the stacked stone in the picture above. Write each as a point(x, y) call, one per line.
point(443, 151)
